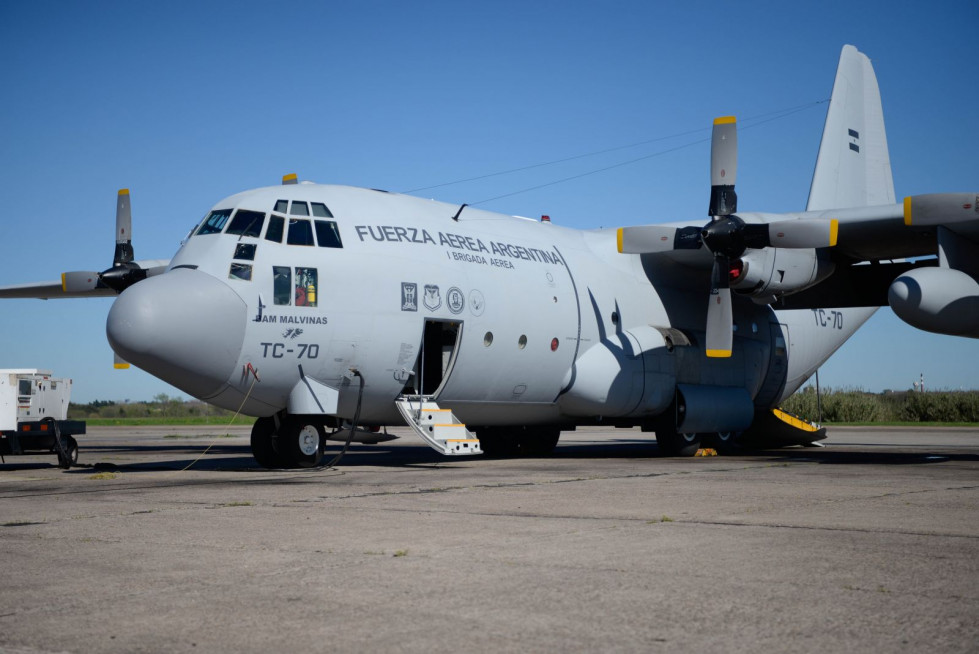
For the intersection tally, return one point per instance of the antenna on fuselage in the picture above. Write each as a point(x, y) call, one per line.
point(456, 217)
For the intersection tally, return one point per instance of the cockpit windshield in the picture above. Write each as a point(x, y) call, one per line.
point(247, 223)
point(297, 231)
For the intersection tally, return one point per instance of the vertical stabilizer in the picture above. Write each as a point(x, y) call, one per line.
point(853, 168)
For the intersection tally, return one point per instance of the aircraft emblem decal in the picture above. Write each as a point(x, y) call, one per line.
point(409, 296)
point(432, 299)
point(477, 304)
point(455, 300)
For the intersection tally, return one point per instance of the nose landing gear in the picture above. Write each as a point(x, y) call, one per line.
point(287, 441)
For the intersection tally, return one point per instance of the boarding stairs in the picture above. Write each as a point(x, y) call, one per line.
point(439, 428)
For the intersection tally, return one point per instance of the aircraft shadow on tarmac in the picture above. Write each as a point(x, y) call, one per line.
point(238, 458)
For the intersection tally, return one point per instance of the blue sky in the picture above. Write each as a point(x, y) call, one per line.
point(185, 103)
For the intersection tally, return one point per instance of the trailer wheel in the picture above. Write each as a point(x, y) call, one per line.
point(72, 450)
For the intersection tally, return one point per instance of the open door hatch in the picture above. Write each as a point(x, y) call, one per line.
point(436, 358)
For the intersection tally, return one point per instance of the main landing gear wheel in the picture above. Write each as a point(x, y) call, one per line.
point(539, 442)
point(724, 442)
point(674, 443)
point(508, 442)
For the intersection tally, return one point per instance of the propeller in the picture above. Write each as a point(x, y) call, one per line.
point(726, 236)
point(124, 271)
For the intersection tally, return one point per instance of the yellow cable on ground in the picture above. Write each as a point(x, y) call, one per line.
point(233, 418)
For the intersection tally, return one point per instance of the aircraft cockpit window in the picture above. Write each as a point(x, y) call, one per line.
point(320, 210)
point(306, 287)
point(300, 294)
point(247, 223)
point(282, 285)
point(300, 232)
point(299, 209)
point(214, 222)
point(276, 227)
point(327, 234)
point(240, 271)
point(245, 251)
point(281, 206)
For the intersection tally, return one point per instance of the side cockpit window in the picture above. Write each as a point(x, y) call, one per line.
point(327, 234)
point(282, 285)
point(214, 222)
point(302, 293)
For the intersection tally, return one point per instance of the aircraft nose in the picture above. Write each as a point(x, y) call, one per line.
point(183, 326)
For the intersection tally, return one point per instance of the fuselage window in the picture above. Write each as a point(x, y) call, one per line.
point(300, 232)
point(247, 223)
point(214, 222)
point(240, 271)
point(327, 234)
point(245, 251)
point(306, 287)
point(281, 206)
point(282, 284)
point(320, 210)
point(299, 209)
point(276, 227)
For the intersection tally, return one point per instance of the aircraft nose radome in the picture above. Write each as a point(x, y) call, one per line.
point(183, 326)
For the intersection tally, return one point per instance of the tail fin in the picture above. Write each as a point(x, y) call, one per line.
point(853, 168)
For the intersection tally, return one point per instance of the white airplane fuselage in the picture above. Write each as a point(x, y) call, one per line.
point(533, 323)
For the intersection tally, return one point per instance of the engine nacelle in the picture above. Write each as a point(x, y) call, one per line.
point(776, 271)
point(941, 300)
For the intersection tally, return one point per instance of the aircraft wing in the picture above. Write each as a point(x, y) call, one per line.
point(904, 230)
point(77, 284)
point(50, 290)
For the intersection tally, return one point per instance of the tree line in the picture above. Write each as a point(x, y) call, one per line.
point(840, 405)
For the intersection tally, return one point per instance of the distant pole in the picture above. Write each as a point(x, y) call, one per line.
point(819, 402)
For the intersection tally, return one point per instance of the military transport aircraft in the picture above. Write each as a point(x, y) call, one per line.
point(523, 328)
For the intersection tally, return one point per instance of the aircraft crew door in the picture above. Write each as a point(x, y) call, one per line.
point(436, 358)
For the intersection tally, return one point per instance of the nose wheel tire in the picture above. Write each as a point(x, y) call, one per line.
point(299, 443)
point(263, 447)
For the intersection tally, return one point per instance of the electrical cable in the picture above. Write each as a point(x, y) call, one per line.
point(353, 424)
point(775, 115)
point(233, 418)
point(781, 114)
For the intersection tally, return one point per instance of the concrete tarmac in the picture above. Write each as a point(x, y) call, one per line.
point(871, 544)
